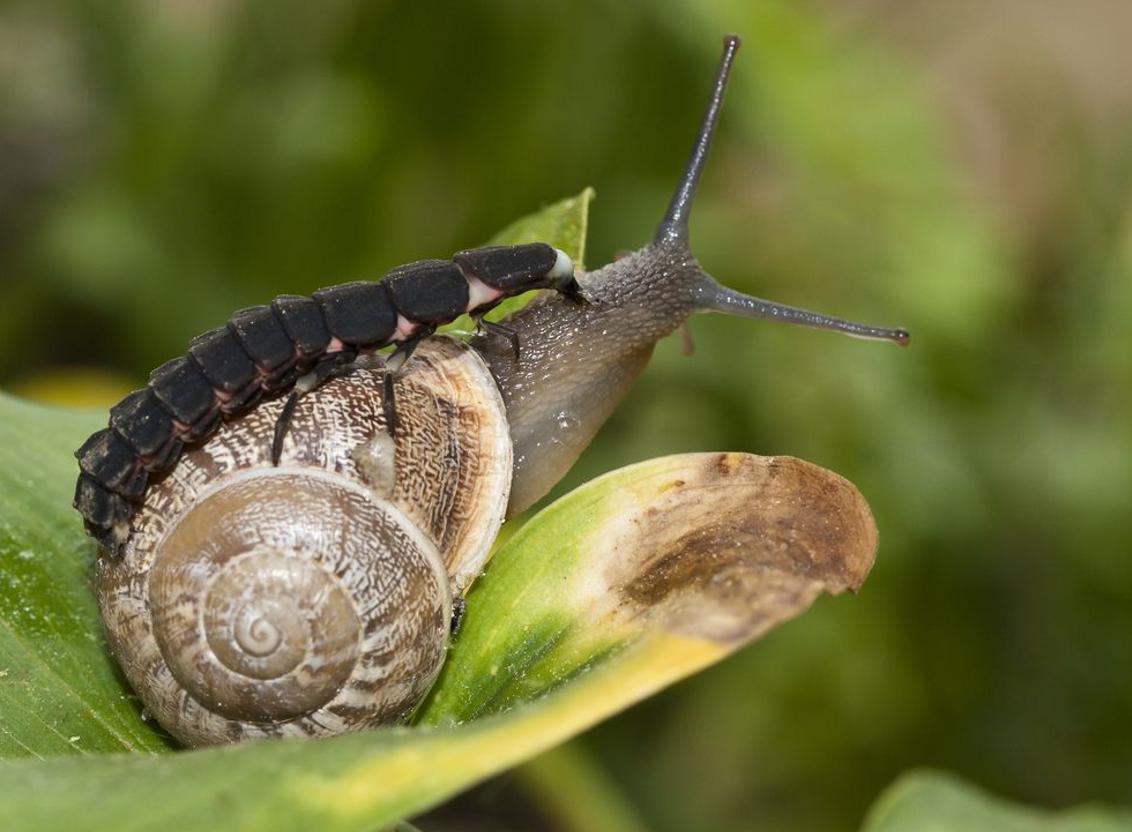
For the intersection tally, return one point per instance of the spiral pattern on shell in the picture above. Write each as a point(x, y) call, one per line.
point(313, 597)
point(258, 619)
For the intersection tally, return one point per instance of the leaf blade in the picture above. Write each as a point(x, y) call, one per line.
point(607, 569)
point(360, 781)
point(929, 800)
point(57, 680)
point(61, 693)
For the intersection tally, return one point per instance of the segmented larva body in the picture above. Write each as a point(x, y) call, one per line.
point(265, 350)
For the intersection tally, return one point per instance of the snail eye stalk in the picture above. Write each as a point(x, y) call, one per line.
point(673, 229)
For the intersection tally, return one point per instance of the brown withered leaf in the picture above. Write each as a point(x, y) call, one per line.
point(737, 543)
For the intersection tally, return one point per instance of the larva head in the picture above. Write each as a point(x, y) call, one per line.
point(578, 360)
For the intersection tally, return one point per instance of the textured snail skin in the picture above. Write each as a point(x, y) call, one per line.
point(314, 597)
point(578, 361)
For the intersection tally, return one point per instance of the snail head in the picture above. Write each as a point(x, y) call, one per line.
point(674, 278)
point(578, 360)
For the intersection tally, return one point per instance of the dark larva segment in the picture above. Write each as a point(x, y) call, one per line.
point(100, 507)
point(302, 320)
point(264, 350)
point(166, 457)
point(222, 360)
point(509, 268)
point(429, 291)
point(203, 428)
point(281, 381)
point(184, 391)
point(105, 514)
point(358, 314)
point(142, 423)
point(110, 462)
point(263, 338)
point(243, 400)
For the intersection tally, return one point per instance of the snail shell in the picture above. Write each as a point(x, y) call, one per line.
point(313, 597)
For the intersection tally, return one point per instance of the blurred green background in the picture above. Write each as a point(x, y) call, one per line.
point(961, 168)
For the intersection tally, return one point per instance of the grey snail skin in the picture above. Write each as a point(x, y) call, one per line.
point(285, 566)
point(578, 361)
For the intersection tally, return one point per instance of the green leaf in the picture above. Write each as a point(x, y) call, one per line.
point(60, 692)
point(563, 224)
point(929, 801)
point(595, 574)
point(613, 592)
point(633, 581)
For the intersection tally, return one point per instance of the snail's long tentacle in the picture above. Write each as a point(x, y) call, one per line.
point(714, 297)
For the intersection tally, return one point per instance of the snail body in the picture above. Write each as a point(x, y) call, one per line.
point(305, 583)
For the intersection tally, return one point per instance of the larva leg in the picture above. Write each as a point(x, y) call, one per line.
point(393, 367)
point(459, 610)
point(503, 331)
point(281, 425)
point(334, 365)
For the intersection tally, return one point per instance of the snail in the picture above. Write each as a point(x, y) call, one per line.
point(314, 596)
point(284, 567)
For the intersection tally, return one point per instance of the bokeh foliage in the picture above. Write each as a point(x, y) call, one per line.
point(167, 162)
